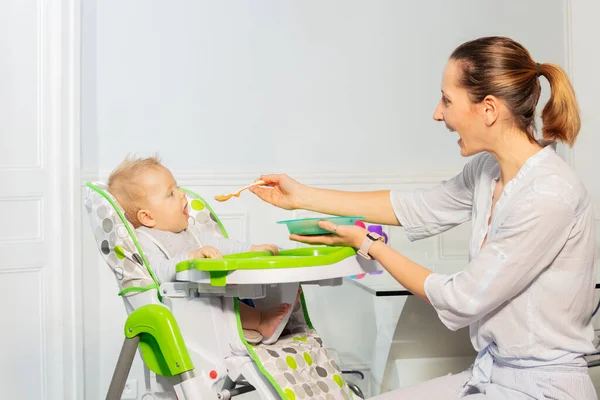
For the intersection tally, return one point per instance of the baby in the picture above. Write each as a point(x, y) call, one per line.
point(158, 210)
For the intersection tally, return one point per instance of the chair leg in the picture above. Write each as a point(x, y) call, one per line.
point(228, 394)
point(354, 372)
point(256, 379)
point(228, 384)
point(355, 389)
point(119, 378)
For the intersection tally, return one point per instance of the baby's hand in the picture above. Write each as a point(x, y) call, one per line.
point(265, 247)
point(205, 252)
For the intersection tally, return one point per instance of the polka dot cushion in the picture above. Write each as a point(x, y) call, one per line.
point(202, 216)
point(114, 241)
point(300, 365)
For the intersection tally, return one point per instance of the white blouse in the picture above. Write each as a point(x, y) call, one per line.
point(528, 295)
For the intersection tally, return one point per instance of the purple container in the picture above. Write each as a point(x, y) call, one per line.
point(379, 230)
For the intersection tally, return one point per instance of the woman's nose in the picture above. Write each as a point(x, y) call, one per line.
point(438, 114)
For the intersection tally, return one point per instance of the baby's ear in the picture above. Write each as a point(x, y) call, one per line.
point(145, 218)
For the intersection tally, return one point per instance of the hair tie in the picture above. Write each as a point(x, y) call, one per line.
point(537, 69)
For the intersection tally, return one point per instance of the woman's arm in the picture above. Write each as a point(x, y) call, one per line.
point(287, 193)
point(375, 207)
point(407, 272)
point(423, 212)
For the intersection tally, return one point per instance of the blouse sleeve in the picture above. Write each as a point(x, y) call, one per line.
point(425, 213)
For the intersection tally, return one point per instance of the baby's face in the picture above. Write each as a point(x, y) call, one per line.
point(165, 203)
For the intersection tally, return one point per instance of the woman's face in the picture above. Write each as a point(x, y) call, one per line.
point(460, 114)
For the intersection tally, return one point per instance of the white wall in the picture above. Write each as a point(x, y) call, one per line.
point(340, 94)
point(584, 36)
point(585, 32)
point(218, 88)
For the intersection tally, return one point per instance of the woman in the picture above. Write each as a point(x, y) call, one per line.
point(527, 292)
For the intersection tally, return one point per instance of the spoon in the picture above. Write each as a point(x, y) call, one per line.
point(224, 197)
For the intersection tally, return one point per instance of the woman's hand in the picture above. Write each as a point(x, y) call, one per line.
point(284, 192)
point(265, 247)
point(342, 235)
point(205, 252)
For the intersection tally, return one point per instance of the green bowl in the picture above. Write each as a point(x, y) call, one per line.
point(308, 226)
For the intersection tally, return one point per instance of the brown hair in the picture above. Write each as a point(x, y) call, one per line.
point(124, 184)
point(503, 68)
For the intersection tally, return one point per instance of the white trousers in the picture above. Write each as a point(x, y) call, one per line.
point(507, 383)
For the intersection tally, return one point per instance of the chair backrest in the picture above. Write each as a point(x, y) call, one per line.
point(117, 241)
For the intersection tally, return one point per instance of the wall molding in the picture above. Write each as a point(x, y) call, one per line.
point(44, 78)
point(203, 178)
point(39, 204)
point(38, 271)
point(227, 217)
point(16, 269)
point(443, 255)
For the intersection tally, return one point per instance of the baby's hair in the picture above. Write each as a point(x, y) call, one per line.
point(123, 184)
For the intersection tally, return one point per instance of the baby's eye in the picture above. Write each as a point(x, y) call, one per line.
point(171, 194)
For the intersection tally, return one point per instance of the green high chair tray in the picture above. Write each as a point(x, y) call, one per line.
point(296, 265)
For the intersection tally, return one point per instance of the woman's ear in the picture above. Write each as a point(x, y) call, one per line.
point(145, 218)
point(491, 107)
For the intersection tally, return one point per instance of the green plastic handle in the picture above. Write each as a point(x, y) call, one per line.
point(161, 343)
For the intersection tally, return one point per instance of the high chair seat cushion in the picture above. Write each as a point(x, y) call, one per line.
point(117, 243)
point(298, 365)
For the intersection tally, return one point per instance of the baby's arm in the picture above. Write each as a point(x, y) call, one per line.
point(205, 252)
point(265, 247)
point(232, 246)
point(225, 246)
point(164, 268)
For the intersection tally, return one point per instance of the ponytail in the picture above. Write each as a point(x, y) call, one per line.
point(560, 116)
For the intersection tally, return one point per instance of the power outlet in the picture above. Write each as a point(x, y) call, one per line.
point(130, 392)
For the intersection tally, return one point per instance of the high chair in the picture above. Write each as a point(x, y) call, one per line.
point(189, 332)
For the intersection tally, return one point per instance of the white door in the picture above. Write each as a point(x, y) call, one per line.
point(38, 104)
